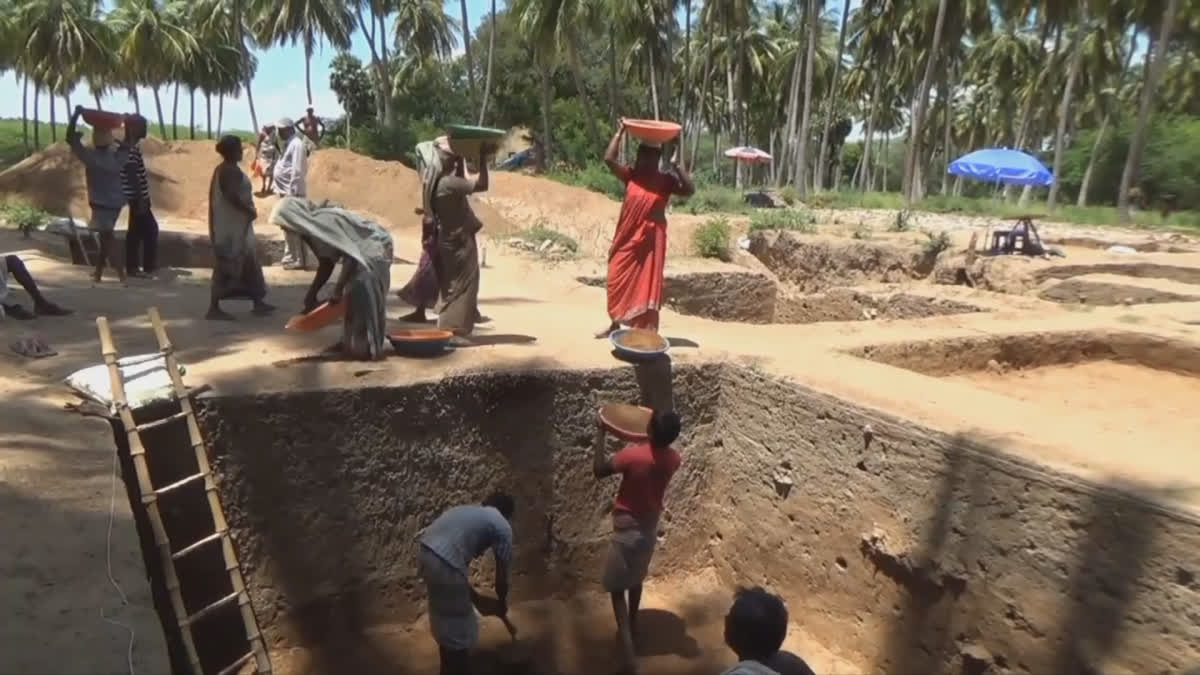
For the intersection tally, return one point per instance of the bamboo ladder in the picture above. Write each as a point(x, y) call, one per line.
point(150, 494)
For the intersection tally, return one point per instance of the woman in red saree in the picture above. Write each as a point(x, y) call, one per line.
point(639, 248)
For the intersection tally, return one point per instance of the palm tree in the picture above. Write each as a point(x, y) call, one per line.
point(830, 108)
point(1082, 29)
point(151, 45)
point(800, 178)
point(1138, 141)
point(487, 82)
point(228, 18)
point(306, 22)
point(911, 166)
point(59, 37)
point(466, 33)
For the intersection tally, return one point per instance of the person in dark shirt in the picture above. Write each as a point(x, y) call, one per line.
point(754, 629)
point(646, 470)
point(141, 240)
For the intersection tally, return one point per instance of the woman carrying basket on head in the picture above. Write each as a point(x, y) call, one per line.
point(638, 254)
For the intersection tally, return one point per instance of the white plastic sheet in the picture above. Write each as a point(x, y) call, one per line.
point(145, 375)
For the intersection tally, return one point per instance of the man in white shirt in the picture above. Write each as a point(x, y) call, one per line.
point(291, 173)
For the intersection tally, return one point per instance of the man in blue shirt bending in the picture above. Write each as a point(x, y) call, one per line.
point(448, 546)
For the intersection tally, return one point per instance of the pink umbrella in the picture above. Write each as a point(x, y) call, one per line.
point(746, 153)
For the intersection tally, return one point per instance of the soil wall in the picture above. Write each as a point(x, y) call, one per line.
point(327, 490)
point(926, 553)
point(917, 551)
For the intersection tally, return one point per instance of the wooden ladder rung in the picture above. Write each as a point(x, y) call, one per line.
point(216, 536)
point(211, 608)
point(233, 667)
point(179, 483)
point(160, 422)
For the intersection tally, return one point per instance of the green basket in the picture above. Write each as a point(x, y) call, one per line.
point(469, 132)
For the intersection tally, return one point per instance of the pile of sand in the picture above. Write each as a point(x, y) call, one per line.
point(180, 172)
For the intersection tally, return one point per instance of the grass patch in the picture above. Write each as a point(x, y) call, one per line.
point(791, 220)
point(540, 233)
point(903, 221)
point(712, 238)
point(22, 215)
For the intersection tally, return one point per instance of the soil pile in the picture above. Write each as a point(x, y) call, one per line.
point(180, 171)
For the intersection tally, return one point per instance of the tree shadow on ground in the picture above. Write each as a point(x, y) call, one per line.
point(1107, 537)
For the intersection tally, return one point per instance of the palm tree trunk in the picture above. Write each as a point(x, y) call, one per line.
point(308, 50)
point(25, 111)
point(730, 103)
point(948, 118)
point(547, 140)
point(819, 179)
point(704, 88)
point(884, 157)
point(96, 97)
point(389, 107)
point(53, 124)
point(162, 122)
point(192, 115)
point(37, 136)
point(1072, 74)
point(220, 112)
point(612, 72)
point(793, 111)
point(208, 114)
point(250, 100)
point(137, 103)
point(487, 82)
point(869, 136)
point(1087, 173)
point(1138, 142)
point(800, 180)
point(684, 98)
point(922, 101)
point(175, 115)
point(653, 85)
point(466, 31)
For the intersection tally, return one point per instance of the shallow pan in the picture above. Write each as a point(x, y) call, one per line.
point(639, 343)
point(420, 342)
point(324, 314)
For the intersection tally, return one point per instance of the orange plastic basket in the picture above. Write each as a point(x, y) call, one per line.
point(652, 131)
point(322, 316)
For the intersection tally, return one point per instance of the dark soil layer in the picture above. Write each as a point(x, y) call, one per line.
point(845, 304)
point(915, 551)
point(813, 263)
point(1080, 291)
point(1033, 350)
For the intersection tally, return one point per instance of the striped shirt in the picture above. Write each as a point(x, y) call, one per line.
point(463, 533)
point(133, 177)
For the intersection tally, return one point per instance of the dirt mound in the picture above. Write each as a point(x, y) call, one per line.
point(813, 263)
point(180, 171)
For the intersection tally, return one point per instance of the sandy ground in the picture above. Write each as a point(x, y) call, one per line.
point(1098, 420)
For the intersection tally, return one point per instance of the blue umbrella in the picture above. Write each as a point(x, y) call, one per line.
point(998, 165)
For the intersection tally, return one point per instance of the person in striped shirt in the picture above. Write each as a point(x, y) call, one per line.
point(141, 239)
point(448, 546)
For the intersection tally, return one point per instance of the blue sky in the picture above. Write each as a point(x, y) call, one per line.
point(278, 86)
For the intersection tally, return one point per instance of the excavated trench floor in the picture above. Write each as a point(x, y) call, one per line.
point(898, 549)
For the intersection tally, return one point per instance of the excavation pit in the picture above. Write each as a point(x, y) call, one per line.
point(750, 297)
point(898, 548)
point(1147, 382)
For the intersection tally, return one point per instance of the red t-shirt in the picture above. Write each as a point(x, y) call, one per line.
point(645, 474)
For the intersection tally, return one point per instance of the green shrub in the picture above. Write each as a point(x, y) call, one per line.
point(903, 221)
point(594, 176)
point(788, 194)
point(540, 232)
point(714, 199)
point(23, 215)
point(712, 238)
point(792, 220)
point(934, 244)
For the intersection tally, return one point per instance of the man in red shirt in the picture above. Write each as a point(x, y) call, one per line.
point(645, 469)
